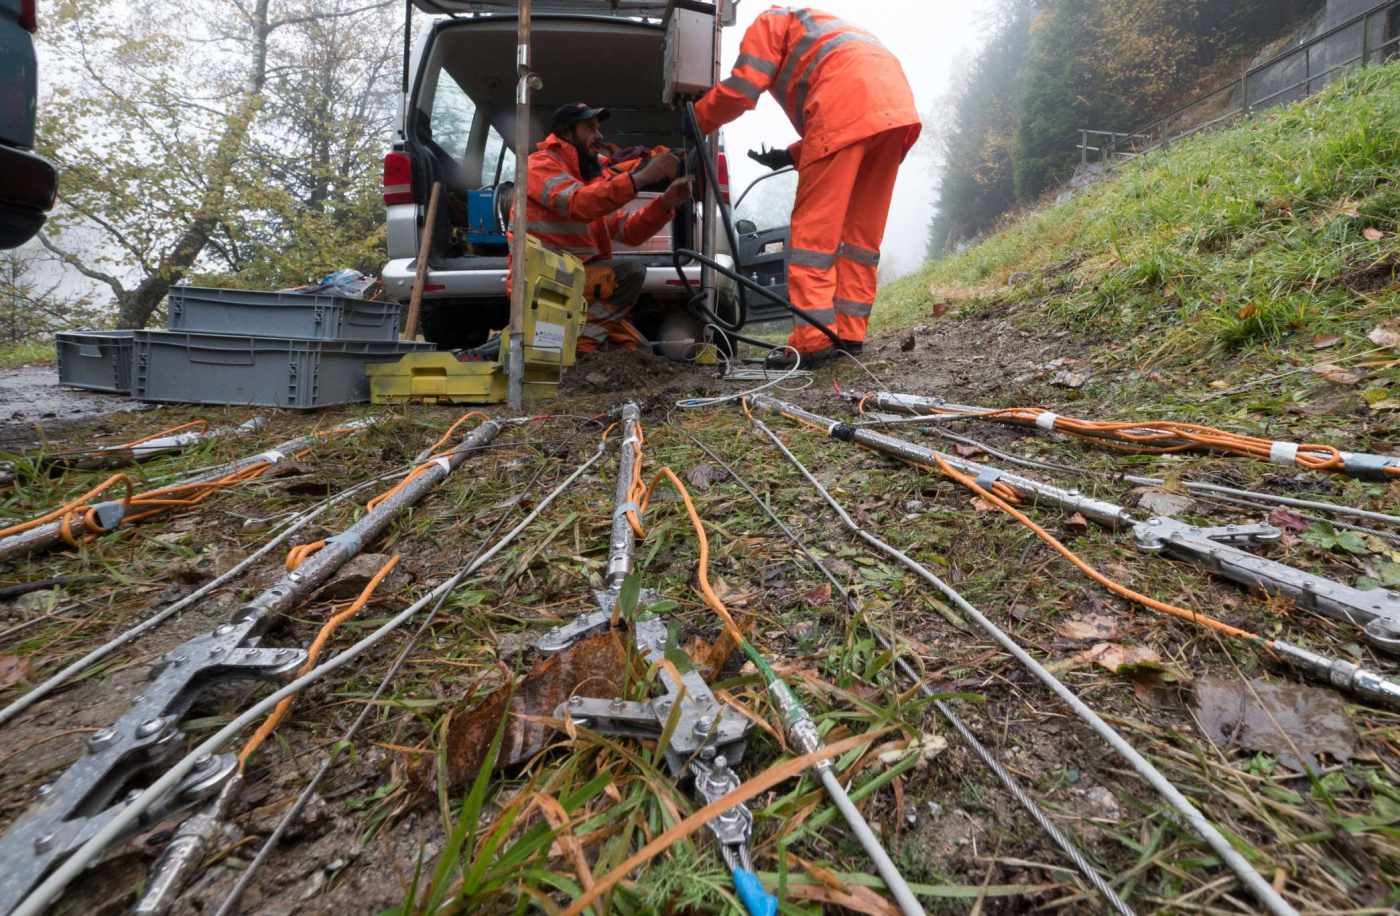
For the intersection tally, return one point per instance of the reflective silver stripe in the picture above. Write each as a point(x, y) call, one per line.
point(742, 86)
point(561, 201)
point(853, 308)
point(766, 67)
point(825, 316)
point(804, 82)
point(814, 34)
point(859, 255)
point(595, 332)
point(557, 228)
point(805, 257)
point(555, 182)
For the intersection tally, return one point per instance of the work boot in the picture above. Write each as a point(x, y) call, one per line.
point(786, 359)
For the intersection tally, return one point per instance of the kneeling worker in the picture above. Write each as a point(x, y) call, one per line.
point(849, 100)
point(574, 207)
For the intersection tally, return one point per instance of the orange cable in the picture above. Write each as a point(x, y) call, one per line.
point(313, 652)
point(1117, 588)
point(300, 553)
point(72, 506)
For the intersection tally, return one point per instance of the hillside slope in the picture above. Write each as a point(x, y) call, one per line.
point(1231, 254)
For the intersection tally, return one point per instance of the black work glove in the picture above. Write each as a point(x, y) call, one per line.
point(776, 158)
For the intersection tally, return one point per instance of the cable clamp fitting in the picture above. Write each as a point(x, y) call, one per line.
point(444, 464)
point(1046, 420)
point(625, 508)
point(988, 477)
point(1284, 453)
point(272, 456)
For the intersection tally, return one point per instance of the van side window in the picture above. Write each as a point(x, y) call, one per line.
point(451, 116)
point(495, 147)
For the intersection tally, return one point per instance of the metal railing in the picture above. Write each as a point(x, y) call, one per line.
point(1370, 37)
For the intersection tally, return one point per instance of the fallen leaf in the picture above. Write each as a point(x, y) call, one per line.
point(1068, 379)
point(940, 309)
point(967, 451)
point(1163, 502)
point(981, 506)
point(1351, 213)
point(819, 595)
point(1386, 334)
point(1077, 523)
point(1219, 385)
point(1372, 234)
point(13, 669)
point(1283, 719)
point(1325, 341)
point(1121, 659)
point(1336, 374)
point(1288, 521)
point(1095, 626)
point(1248, 311)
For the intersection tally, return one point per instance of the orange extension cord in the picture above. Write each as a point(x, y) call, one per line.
point(313, 653)
point(1164, 437)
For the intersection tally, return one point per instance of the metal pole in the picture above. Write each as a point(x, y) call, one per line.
point(1083, 148)
point(515, 362)
point(1365, 40)
point(709, 212)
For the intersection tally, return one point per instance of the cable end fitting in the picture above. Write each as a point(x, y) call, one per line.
point(843, 431)
point(1368, 685)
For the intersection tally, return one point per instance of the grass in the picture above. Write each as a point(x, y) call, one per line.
point(29, 353)
point(1261, 235)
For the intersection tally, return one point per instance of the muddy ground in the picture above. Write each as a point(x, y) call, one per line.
point(1330, 843)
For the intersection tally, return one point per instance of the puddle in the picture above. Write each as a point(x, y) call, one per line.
point(31, 397)
point(1313, 721)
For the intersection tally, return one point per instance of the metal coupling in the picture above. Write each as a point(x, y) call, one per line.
point(1368, 685)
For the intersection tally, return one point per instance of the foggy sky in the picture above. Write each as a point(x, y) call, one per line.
point(926, 36)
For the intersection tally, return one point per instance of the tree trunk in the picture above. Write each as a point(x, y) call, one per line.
point(135, 306)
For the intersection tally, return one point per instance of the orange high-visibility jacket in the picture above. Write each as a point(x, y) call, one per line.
point(583, 218)
point(837, 83)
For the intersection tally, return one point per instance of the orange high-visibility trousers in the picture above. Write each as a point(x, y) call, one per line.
point(838, 223)
point(611, 289)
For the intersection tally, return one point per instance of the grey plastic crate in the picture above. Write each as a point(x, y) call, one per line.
point(299, 374)
point(314, 316)
point(98, 360)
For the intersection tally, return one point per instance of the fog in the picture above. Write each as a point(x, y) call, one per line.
point(927, 36)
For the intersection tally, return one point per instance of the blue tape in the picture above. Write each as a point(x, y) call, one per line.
point(751, 893)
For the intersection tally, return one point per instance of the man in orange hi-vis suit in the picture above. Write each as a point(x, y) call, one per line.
point(848, 98)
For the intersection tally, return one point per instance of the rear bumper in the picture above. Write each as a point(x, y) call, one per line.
point(661, 282)
point(28, 186)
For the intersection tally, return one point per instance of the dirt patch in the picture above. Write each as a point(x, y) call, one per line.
point(32, 400)
point(1371, 278)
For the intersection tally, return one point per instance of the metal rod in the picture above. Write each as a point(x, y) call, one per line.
point(110, 512)
point(1065, 844)
point(290, 815)
point(118, 455)
point(1191, 815)
point(623, 539)
point(515, 366)
point(45, 894)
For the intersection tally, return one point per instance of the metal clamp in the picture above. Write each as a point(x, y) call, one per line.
point(1376, 611)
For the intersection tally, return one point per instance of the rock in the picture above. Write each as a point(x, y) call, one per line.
point(355, 575)
point(1067, 379)
point(1018, 278)
point(913, 505)
point(1164, 502)
point(1100, 805)
point(40, 602)
point(596, 379)
point(802, 629)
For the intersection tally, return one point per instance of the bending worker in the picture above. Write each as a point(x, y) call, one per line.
point(852, 106)
point(573, 206)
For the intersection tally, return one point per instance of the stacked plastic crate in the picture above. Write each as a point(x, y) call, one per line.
point(224, 346)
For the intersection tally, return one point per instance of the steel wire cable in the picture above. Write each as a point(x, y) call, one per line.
point(1009, 782)
point(1260, 888)
point(129, 815)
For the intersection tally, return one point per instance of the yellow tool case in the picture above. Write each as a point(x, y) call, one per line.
point(554, 316)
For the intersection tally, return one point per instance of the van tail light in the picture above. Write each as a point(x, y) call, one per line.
point(398, 179)
point(722, 174)
point(28, 18)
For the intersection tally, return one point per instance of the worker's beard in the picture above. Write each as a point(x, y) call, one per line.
point(588, 165)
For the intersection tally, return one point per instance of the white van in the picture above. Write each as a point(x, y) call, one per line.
point(458, 128)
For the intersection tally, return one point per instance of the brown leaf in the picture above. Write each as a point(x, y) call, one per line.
point(967, 451)
point(1386, 334)
point(13, 669)
point(1288, 521)
point(940, 309)
point(701, 476)
point(1248, 310)
point(1219, 385)
point(1372, 234)
point(1121, 659)
point(819, 595)
point(1095, 626)
point(1336, 374)
point(1325, 341)
point(981, 506)
point(1077, 523)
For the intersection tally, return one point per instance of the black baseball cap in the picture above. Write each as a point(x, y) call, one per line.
point(574, 112)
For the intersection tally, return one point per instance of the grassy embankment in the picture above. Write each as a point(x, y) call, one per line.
point(1223, 253)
